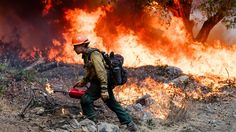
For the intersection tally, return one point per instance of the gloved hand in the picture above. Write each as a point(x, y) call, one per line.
point(104, 94)
point(79, 84)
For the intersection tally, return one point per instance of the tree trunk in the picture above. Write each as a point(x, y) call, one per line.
point(207, 26)
point(212, 21)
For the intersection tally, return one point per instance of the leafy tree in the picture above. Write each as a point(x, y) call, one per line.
point(214, 11)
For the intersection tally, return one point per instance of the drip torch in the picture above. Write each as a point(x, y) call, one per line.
point(76, 93)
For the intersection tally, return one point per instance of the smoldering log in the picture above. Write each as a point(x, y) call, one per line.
point(42, 65)
point(47, 66)
point(36, 63)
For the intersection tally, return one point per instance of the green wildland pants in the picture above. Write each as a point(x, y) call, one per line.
point(93, 93)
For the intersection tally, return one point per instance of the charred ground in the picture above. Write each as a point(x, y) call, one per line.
point(209, 111)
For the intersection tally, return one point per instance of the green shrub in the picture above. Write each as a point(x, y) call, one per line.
point(3, 67)
point(27, 75)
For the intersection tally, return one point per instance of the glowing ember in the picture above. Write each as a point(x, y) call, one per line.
point(48, 6)
point(48, 88)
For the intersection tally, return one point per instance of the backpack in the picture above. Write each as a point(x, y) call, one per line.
point(118, 74)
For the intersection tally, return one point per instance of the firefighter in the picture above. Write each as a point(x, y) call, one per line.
point(100, 86)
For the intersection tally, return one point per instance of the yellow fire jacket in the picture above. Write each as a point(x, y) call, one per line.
point(95, 68)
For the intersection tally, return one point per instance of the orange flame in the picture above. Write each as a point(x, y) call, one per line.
point(81, 22)
point(161, 93)
point(139, 49)
point(194, 58)
point(48, 88)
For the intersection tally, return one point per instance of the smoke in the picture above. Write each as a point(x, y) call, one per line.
point(219, 32)
point(23, 26)
point(31, 25)
point(231, 36)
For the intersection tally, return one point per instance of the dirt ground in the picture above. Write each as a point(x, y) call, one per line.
point(212, 117)
point(201, 116)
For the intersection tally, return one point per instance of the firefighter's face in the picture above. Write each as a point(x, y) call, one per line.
point(79, 49)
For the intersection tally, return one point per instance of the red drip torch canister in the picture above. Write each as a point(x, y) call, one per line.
point(76, 93)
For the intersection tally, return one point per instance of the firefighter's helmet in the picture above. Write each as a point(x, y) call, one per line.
point(80, 39)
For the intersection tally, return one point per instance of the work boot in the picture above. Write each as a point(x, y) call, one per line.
point(132, 127)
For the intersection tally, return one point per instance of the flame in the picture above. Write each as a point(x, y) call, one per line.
point(140, 47)
point(162, 94)
point(48, 88)
point(63, 111)
point(195, 58)
point(167, 96)
point(81, 22)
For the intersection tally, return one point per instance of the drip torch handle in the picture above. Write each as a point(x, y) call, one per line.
point(60, 91)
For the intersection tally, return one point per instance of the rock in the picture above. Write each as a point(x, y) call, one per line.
point(147, 116)
point(213, 123)
point(106, 127)
point(234, 115)
point(87, 126)
point(85, 129)
point(38, 110)
point(60, 130)
point(130, 108)
point(74, 123)
point(161, 78)
point(180, 81)
point(50, 130)
point(138, 107)
point(86, 122)
point(189, 129)
point(65, 127)
point(174, 71)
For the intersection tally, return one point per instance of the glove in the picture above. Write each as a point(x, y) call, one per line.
point(79, 84)
point(104, 94)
